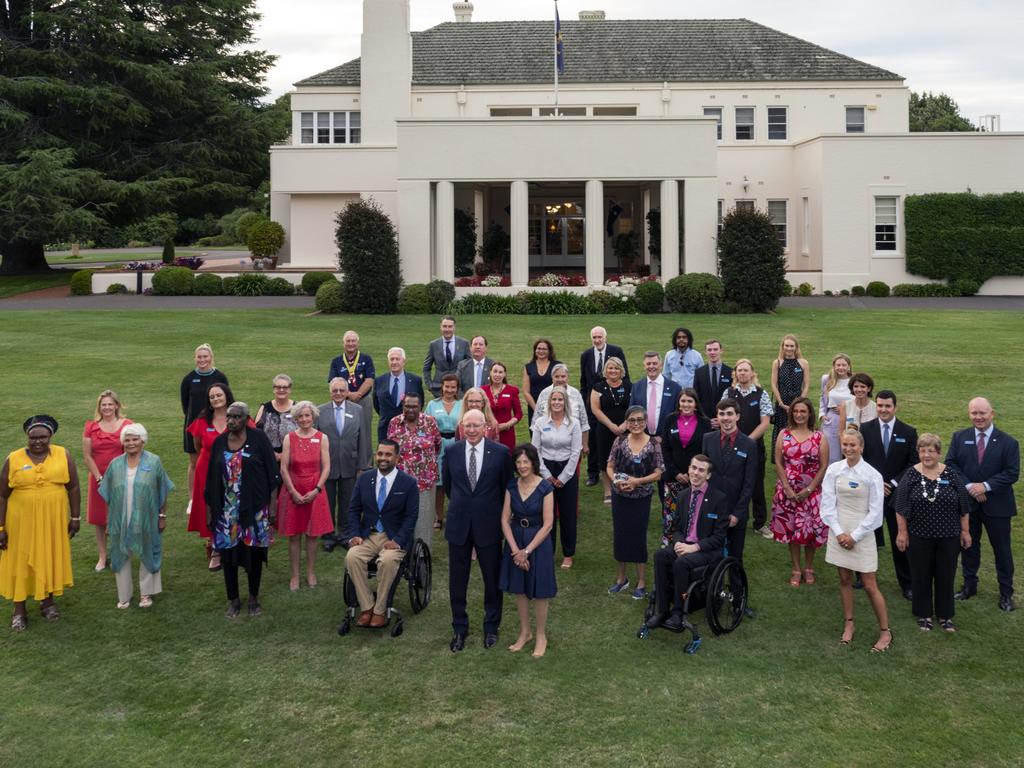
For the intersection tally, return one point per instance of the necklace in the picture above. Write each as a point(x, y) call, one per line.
point(617, 393)
point(924, 491)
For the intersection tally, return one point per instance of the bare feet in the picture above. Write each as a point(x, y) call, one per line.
point(519, 643)
point(293, 585)
point(540, 646)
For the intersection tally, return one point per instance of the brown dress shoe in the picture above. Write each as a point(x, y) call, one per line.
point(377, 621)
point(364, 619)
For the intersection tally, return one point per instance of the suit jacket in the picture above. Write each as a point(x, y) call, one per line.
point(476, 514)
point(734, 471)
point(401, 508)
point(902, 451)
point(435, 359)
point(712, 520)
point(466, 372)
point(669, 399)
point(382, 402)
point(676, 457)
point(589, 376)
point(707, 397)
point(1000, 468)
point(350, 451)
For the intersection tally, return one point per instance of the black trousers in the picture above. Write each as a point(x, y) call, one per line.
point(673, 575)
point(998, 530)
point(566, 506)
point(459, 561)
point(735, 538)
point(900, 560)
point(339, 494)
point(757, 501)
point(254, 572)
point(933, 571)
point(593, 460)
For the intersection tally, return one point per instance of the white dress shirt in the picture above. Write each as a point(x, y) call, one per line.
point(579, 413)
point(390, 477)
point(558, 443)
point(479, 458)
point(841, 471)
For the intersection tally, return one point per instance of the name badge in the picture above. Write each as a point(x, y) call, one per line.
point(798, 369)
point(348, 415)
point(674, 431)
point(546, 429)
point(505, 394)
point(667, 394)
point(742, 453)
point(968, 442)
point(27, 466)
point(854, 484)
point(246, 455)
point(314, 439)
point(144, 469)
point(786, 437)
point(943, 482)
point(210, 429)
point(195, 381)
point(712, 516)
point(636, 459)
point(421, 433)
point(900, 439)
point(753, 403)
point(398, 493)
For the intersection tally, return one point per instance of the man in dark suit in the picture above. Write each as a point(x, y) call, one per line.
point(701, 521)
point(341, 421)
point(475, 370)
point(477, 472)
point(444, 355)
point(711, 381)
point(890, 446)
point(989, 461)
point(592, 371)
point(656, 394)
point(390, 390)
point(381, 517)
point(734, 457)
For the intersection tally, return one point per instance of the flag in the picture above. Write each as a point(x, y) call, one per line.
point(559, 45)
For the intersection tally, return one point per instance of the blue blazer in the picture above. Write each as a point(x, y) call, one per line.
point(669, 399)
point(401, 508)
point(475, 514)
point(1000, 469)
point(734, 471)
point(382, 402)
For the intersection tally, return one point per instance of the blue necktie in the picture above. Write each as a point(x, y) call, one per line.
point(885, 438)
point(382, 495)
point(448, 354)
point(338, 420)
point(394, 390)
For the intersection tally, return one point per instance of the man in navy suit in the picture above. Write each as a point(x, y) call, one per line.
point(701, 520)
point(989, 461)
point(592, 371)
point(711, 381)
point(477, 472)
point(390, 390)
point(381, 517)
point(734, 457)
point(656, 394)
point(475, 370)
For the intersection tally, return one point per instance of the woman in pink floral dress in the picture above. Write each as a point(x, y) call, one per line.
point(801, 458)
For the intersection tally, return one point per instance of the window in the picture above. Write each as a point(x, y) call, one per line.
point(511, 112)
point(721, 215)
point(744, 123)
point(614, 111)
point(807, 225)
point(777, 123)
point(563, 111)
point(855, 119)
point(329, 128)
point(744, 205)
point(885, 223)
point(777, 211)
point(715, 112)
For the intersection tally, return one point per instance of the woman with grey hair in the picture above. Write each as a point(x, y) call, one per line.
point(135, 487)
point(275, 416)
point(305, 464)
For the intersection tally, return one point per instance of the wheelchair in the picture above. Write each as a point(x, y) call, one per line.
point(721, 590)
point(416, 568)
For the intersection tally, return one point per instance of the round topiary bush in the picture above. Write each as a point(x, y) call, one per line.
point(328, 298)
point(265, 239)
point(81, 282)
point(172, 281)
point(965, 286)
point(250, 284)
point(207, 284)
point(698, 292)
point(311, 281)
point(414, 300)
point(117, 288)
point(278, 286)
point(649, 298)
point(244, 224)
point(228, 285)
point(805, 289)
point(878, 289)
point(858, 290)
point(751, 260)
point(441, 294)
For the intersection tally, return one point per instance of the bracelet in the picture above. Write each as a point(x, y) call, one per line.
point(2, 529)
point(76, 519)
point(161, 516)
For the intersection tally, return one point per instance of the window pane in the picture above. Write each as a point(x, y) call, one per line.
point(534, 236)
point(553, 237)
point(323, 127)
point(307, 119)
point(306, 132)
point(353, 120)
point(855, 119)
point(715, 112)
point(777, 123)
point(511, 112)
point(744, 123)
point(354, 135)
point(744, 205)
point(575, 236)
point(777, 213)
point(614, 111)
point(885, 223)
point(339, 127)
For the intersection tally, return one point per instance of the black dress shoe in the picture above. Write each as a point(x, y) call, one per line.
point(329, 545)
point(674, 622)
point(656, 620)
point(857, 583)
point(965, 593)
point(908, 594)
point(592, 481)
point(1006, 603)
point(749, 612)
point(458, 642)
point(490, 639)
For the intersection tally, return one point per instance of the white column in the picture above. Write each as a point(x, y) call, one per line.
point(479, 215)
point(669, 229)
point(520, 234)
point(414, 232)
point(700, 212)
point(444, 231)
point(594, 209)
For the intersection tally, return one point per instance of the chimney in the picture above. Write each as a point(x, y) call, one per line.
point(591, 15)
point(463, 12)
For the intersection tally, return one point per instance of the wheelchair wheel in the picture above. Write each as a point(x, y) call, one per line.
point(397, 628)
point(420, 575)
point(348, 592)
point(345, 627)
point(726, 596)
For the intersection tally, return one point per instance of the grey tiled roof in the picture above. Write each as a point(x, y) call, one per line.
point(677, 50)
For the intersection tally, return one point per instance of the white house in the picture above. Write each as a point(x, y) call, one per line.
point(697, 116)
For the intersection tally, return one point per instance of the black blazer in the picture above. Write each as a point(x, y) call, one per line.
point(382, 403)
point(475, 514)
point(707, 398)
point(401, 508)
point(1000, 468)
point(676, 457)
point(734, 471)
point(589, 375)
point(902, 451)
point(260, 477)
point(712, 520)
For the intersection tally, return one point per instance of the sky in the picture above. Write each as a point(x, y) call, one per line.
point(969, 50)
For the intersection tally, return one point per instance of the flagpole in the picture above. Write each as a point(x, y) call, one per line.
point(556, 58)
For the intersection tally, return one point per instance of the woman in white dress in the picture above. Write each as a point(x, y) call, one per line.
point(835, 390)
point(851, 506)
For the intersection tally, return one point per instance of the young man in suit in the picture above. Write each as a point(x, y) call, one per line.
point(444, 355)
point(989, 461)
point(390, 390)
point(381, 518)
point(756, 411)
point(701, 520)
point(342, 421)
point(476, 475)
point(890, 446)
point(592, 371)
point(711, 381)
point(475, 370)
point(658, 395)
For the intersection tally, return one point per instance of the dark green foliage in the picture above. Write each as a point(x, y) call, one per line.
point(624, 245)
point(965, 286)
point(485, 304)
point(606, 303)
point(167, 257)
point(81, 282)
point(265, 239)
point(311, 281)
point(414, 300)
point(878, 289)
point(368, 257)
point(858, 290)
point(697, 292)
point(228, 285)
point(787, 289)
point(751, 260)
point(441, 294)
point(654, 233)
point(805, 289)
point(207, 284)
point(828, 293)
point(249, 284)
point(936, 112)
point(172, 281)
point(193, 228)
point(227, 224)
point(117, 288)
point(552, 303)
point(844, 292)
point(214, 241)
point(279, 286)
point(923, 289)
point(328, 298)
point(465, 242)
point(495, 250)
point(649, 298)
point(243, 226)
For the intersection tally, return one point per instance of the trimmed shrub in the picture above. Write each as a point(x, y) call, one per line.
point(553, 303)
point(172, 281)
point(212, 241)
point(117, 288)
point(414, 300)
point(751, 260)
point(606, 303)
point(265, 239)
point(167, 257)
point(844, 292)
point(858, 290)
point(81, 282)
point(368, 257)
point(923, 290)
point(787, 289)
point(697, 292)
point(441, 294)
point(878, 289)
point(279, 286)
point(243, 225)
point(328, 298)
point(649, 298)
point(828, 293)
point(804, 289)
point(207, 284)
point(965, 286)
point(484, 304)
point(228, 285)
point(311, 281)
point(250, 284)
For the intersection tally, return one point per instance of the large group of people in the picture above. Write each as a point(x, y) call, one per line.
point(695, 433)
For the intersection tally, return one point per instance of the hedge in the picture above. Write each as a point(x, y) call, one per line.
point(328, 298)
point(81, 282)
point(249, 284)
point(117, 288)
point(414, 300)
point(697, 292)
point(878, 289)
point(649, 297)
point(278, 286)
point(311, 281)
point(207, 284)
point(543, 303)
point(441, 294)
point(923, 289)
point(172, 281)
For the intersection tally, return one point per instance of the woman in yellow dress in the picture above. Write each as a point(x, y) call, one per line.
point(38, 487)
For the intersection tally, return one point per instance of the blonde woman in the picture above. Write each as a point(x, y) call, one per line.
point(475, 400)
point(101, 444)
point(193, 399)
point(558, 439)
point(835, 390)
point(790, 380)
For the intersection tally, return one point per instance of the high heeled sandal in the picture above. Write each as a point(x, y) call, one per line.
point(882, 649)
point(846, 640)
point(809, 577)
point(795, 577)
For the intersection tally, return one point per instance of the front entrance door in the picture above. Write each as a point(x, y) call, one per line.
point(557, 233)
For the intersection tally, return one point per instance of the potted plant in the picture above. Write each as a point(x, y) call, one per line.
point(264, 241)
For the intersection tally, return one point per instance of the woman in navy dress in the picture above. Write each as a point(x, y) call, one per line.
point(528, 565)
point(537, 374)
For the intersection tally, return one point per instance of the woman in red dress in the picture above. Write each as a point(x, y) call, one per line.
point(504, 400)
point(305, 464)
point(204, 430)
point(101, 444)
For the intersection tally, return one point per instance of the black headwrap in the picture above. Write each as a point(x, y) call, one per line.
point(40, 420)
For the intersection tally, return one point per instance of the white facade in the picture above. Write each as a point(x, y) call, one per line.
point(785, 147)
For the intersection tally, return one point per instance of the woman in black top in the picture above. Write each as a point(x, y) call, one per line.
point(609, 401)
point(681, 437)
point(193, 399)
point(537, 374)
point(932, 515)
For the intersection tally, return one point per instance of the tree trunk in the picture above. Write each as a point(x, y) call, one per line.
point(22, 257)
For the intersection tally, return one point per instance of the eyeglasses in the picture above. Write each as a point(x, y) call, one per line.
point(282, 386)
point(636, 420)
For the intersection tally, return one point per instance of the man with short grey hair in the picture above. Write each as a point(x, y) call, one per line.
point(341, 421)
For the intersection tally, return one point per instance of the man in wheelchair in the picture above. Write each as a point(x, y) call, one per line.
point(382, 515)
point(700, 523)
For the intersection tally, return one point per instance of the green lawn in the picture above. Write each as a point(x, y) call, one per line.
point(93, 257)
point(179, 685)
point(13, 285)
